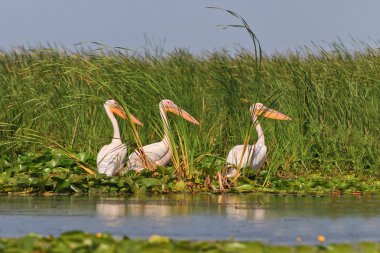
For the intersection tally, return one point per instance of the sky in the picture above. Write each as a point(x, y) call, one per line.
point(140, 25)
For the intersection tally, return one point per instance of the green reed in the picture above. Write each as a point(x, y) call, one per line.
point(332, 97)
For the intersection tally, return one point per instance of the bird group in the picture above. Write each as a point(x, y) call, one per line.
point(111, 157)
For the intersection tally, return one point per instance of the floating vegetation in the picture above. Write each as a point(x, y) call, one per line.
point(54, 172)
point(77, 241)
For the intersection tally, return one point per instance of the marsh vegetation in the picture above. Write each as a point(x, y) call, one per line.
point(53, 123)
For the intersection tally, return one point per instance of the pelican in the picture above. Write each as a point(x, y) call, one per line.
point(254, 155)
point(111, 157)
point(159, 153)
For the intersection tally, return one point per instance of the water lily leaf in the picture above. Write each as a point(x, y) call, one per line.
point(244, 188)
point(129, 181)
point(158, 239)
point(60, 246)
point(57, 153)
point(147, 182)
point(137, 189)
point(179, 187)
point(28, 242)
point(4, 163)
point(164, 179)
point(234, 246)
point(59, 177)
point(77, 178)
point(23, 182)
point(42, 158)
point(63, 185)
point(67, 162)
point(83, 156)
point(114, 180)
point(61, 171)
point(53, 163)
point(73, 234)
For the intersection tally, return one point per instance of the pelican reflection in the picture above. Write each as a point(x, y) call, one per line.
point(111, 213)
point(237, 207)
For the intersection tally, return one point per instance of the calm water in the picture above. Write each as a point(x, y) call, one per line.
point(269, 218)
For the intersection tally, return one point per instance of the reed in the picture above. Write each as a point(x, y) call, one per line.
point(331, 95)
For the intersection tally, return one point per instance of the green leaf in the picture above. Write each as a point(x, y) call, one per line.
point(63, 185)
point(59, 178)
point(244, 188)
point(147, 182)
point(83, 156)
point(53, 163)
point(179, 187)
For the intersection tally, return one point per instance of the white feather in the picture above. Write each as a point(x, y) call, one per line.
point(111, 158)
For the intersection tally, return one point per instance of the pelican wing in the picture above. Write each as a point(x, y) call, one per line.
point(111, 158)
point(236, 155)
point(157, 153)
point(247, 159)
point(259, 156)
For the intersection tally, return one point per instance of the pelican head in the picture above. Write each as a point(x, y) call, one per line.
point(259, 109)
point(115, 108)
point(168, 106)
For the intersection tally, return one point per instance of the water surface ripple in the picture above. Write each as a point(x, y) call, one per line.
point(269, 218)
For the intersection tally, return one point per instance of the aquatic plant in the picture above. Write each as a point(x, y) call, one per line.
point(55, 172)
point(78, 241)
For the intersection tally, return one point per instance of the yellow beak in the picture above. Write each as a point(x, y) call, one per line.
point(183, 114)
point(271, 114)
point(120, 112)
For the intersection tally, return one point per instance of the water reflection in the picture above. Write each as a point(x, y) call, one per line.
point(112, 214)
point(236, 207)
point(239, 207)
point(114, 211)
point(265, 217)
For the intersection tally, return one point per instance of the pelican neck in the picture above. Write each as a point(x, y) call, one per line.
point(116, 138)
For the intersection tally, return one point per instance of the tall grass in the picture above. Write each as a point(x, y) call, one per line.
point(332, 97)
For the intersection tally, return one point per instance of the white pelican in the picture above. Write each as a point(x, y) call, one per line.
point(254, 155)
point(111, 157)
point(159, 153)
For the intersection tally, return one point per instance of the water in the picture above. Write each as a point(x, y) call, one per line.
point(264, 217)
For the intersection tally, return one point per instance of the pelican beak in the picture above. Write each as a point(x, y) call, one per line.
point(178, 111)
point(135, 120)
point(271, 114)
point(120, 112)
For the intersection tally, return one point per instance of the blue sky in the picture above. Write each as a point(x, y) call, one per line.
point(279, 24)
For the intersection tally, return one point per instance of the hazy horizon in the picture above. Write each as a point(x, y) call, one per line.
point(177, 24)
